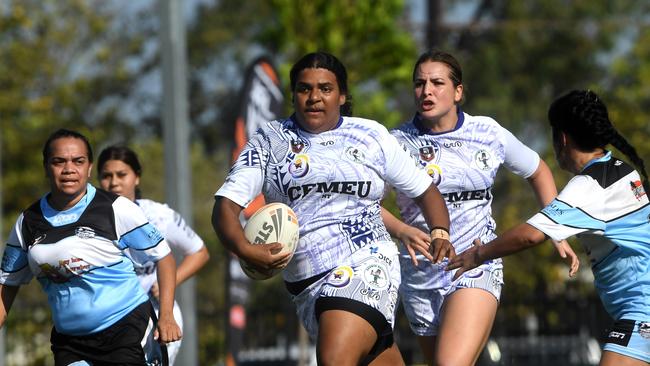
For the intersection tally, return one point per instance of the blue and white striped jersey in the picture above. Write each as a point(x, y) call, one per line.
point(78, 257)
point(463, 164)
point(333, 181)
point(606, 207)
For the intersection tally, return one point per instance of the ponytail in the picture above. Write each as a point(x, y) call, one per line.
point(623, 146)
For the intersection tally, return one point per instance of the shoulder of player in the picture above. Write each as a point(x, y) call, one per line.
point(405, 128)
point(608, 172)
point(368, 126)
point(480, 121)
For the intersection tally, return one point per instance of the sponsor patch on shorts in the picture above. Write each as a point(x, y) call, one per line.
point(620, 333)
point(340, 277)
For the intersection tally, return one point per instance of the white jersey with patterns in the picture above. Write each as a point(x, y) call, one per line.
point(606, 207)
point(78, 256)
point(179, 236)
point(333, 181)
point(463, 164)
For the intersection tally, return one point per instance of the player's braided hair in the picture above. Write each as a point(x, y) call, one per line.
point(583, 116)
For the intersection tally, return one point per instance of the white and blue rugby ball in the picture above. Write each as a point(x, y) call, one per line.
point(274, 222)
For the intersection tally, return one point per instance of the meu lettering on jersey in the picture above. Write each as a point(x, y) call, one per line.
point(353, 188)
point(478, 194)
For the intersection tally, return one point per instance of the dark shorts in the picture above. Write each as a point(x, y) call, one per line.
point(119, 344)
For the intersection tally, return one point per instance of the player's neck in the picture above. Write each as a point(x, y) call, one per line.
point(443, 124)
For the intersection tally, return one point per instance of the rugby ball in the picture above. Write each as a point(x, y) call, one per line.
point(275, 222)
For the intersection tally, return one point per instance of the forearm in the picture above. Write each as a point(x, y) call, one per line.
point(434, 209)
point(519, 238)
point(543, 184)
point(166, 272)
point(225, 221)
point(191, 264)
point(7, 296)
point(392, 223)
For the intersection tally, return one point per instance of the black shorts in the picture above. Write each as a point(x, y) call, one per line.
point(119, 344)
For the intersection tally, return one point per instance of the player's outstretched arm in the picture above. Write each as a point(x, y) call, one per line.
point(7, 295)
point(543, 185)
point(512, 241)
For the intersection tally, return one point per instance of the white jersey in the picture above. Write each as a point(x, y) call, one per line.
point(333, 181)
point(463, 164)
point(179, 236)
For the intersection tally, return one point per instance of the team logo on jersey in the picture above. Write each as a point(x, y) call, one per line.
point(39, 239)
point(434, 172)
point(637, 189)
point(297, 145)
point(84, 232)
point(355, 154)
point(428, 153)
point(483, 160)
point(340, 277)
point(376, 276)
point(299, 167)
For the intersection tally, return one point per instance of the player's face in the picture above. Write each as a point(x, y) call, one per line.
point(68, 168)
point(118, 177)
point(435, 93)
point(317, 100)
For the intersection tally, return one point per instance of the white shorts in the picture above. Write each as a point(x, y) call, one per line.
point(425, 287)
point(370, 276)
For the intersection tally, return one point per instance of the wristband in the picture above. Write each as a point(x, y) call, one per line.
point(440, 233)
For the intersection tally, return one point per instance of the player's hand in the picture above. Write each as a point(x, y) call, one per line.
point(465, 261)
point(154, 291)
point(167, 330)
point(441, 248)
point(566, 252)
point(265, 257)
point(415, 239)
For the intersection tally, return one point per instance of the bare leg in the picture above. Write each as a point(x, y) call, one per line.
point(344, 338)
point(426, 346)
point(466, 321)
point(390, 357)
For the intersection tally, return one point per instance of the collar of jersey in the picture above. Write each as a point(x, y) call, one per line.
point(606, 157)
point(295, 122)
point(425, 131)
point(60, 218)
